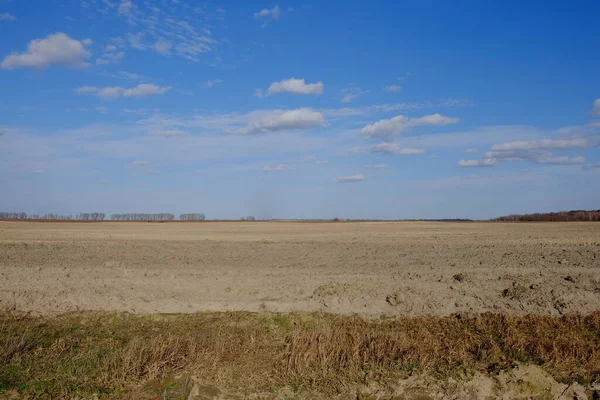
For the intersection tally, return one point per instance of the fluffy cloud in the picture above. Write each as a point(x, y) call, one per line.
point(433, 120)
point(139, 162)
point(295, 86)
point(482, 162)
point(145, 89)
point(393, 149)
point(57, 48)
point(114, 92)
point(471, 151)
point(350, 178)
point(386, 129)
point(375, 166)
point(596, 109)
point(276, 168)
point(392, 88)
point(110, 93)
point(7, 17)
point(280, 120)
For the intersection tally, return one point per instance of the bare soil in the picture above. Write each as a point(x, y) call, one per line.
point(368, 268)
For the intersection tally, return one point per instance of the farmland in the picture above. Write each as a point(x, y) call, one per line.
point(288, 284)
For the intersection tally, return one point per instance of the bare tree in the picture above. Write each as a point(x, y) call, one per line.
point(192, 217)
point(143, 217)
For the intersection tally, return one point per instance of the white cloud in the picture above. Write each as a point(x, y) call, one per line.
point(163, 46)
point(267, 14)
point(110, 93)
point(145, 89)
point(350, 178)
point(114, 92)
point(596, 109)
point(280, 120)
point(276, 168)
point(375, 166)
point(482, 162)
point(595, 124)
point(433, 120)
point(471, 151)
point(126, 8)
point(213, 82)
point(102, 110)
point(57, 48)
point(386, 129)
point(393, 149)
point(7, 17)
point(549, 144)
point(392, 88)
point(259, 93)
point(139, 162)
point(374, 109)
point(563, 160)
point(110, 48)
point(295, 86)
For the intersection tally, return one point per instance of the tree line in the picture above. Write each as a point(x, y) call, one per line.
point(143, 217)
point(192, 217)
point(101, 216)
point(52, 216)
point(561, 216)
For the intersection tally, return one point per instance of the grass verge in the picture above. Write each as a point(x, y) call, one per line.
point(111, 354)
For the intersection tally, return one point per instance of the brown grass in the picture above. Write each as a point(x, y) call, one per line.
point(113, 353)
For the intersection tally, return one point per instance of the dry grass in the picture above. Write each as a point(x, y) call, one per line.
point(113, 353)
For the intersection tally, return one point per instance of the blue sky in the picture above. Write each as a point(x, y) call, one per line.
point(418, 109)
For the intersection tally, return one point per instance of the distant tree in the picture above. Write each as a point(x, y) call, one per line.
point(143, 217)
point(192, 217)
point(561, 216)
